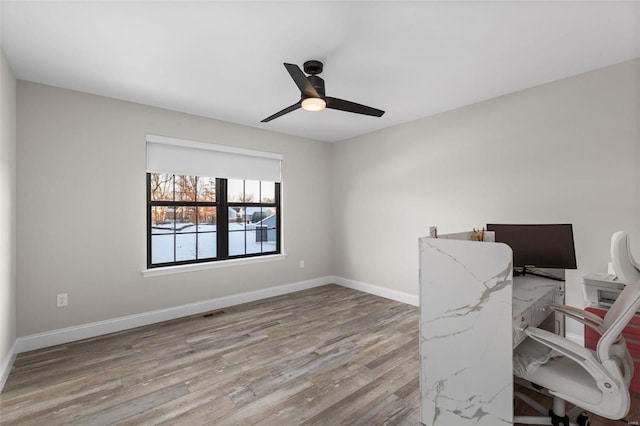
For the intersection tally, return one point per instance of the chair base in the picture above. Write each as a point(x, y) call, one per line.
point(532, 420)
point(559, 420)
point(555, 417)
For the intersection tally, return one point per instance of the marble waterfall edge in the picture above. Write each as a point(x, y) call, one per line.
point(465, 333)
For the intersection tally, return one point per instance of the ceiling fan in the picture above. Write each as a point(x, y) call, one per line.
point(312, 97)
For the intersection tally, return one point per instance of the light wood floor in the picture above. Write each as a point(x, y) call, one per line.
point(325, 356)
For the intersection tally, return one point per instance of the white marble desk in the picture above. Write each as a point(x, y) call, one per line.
point(471, 313)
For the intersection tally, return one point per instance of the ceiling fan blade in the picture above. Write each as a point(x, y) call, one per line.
point(342, 105)
point(283, 112)
point(301, 81)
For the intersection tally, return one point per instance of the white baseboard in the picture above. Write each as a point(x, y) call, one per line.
point(398, 296)
point(84, 331)
point(7, 363)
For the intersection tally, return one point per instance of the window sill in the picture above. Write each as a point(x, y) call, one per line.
point(168, 270)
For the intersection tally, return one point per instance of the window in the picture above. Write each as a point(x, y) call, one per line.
point(188, 223)
point(210, 202)
point(254, 227)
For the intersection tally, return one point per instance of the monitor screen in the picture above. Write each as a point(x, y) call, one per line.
point(540, 246)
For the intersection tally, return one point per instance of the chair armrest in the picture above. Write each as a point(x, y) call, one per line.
point(584, 357)
point(589, 319)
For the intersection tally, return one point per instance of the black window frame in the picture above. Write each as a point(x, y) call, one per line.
point(222, 206)
point(246, 204)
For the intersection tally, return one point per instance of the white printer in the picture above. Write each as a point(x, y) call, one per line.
point(601, 289)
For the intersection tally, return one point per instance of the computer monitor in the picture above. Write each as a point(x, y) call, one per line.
point(540, 245)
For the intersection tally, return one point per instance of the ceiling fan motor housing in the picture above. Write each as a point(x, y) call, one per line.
point(313, 67)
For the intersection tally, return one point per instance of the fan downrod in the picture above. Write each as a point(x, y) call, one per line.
point(313, 67)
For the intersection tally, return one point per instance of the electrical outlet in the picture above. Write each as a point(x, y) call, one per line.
point(302, 264)
point(62, 300)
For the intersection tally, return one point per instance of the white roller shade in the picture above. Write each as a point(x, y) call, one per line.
point(184, 157)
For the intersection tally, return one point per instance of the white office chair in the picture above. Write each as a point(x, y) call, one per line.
point(597, 381)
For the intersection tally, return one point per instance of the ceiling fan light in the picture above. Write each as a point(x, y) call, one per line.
point(313, 104)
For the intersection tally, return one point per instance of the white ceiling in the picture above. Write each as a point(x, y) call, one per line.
point(224, 59)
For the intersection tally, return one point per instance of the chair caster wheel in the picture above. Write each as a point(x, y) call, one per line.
point(583, 419)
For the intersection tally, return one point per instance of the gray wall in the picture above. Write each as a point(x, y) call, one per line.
point(81, 209)
point(7, 211)
point(565, 152)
